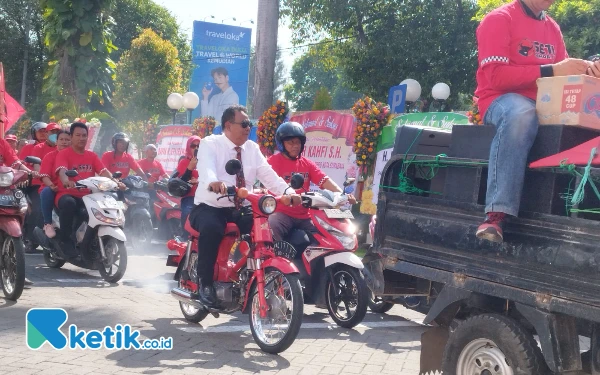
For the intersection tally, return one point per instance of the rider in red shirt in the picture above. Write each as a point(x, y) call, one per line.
point(151, 165)
point(119, 159)
point(290, 139)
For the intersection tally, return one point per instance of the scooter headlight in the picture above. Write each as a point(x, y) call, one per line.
point(6, 179)
point(267, 204)
point(118, 221)
point(348, 241)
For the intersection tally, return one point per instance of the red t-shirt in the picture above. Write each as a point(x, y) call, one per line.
point(181, 168)
point(155, 168)
point(42, 149)
point(123, 163)
point(48, 169)
point(87, 164)
point(512, 46)
point(284, 167)
point(9, 156)
point(26, 151)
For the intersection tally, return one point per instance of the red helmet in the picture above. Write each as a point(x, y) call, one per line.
point(11, 137)
point(53, 126)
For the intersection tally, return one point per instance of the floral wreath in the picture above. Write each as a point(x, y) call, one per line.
point(473, 114)
point(268, 124)
point(204, 126)
point(370, 117)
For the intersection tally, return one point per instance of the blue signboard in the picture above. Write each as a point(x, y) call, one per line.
point(397, 98)
point(221, 57)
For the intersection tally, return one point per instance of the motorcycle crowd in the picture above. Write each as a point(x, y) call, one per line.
point(269, 245)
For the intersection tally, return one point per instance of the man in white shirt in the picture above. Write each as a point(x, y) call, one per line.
point(221, 101)
point(210, 215)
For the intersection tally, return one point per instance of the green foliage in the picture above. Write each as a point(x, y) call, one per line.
point(378, 43)
point(146, 75)
point(78, 40)
point(578, 20)
point(322, 100)
point(315, 69)
point(133, 16)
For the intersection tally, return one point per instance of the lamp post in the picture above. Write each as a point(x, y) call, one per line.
point(204, 19)
point(227, 19)
point(190, 102)
point(175, 102)
point(413, 93)
point(440, 93)
point(250, 20)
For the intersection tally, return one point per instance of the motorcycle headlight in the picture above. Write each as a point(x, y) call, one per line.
point(347, 241)
point(118, 221)
point(6, 179)
point(267, 204)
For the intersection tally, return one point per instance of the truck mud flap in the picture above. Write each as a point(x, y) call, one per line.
point(373, 272)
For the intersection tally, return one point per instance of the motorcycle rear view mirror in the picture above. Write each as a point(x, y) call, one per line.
point(233, 167)
point(297, 181)
point(72, 173)
point(117, 174)
point(33, 160)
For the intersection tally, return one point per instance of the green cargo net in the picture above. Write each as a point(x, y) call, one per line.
point(574, 198)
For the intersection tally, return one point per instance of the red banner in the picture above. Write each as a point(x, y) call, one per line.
point(337, 124)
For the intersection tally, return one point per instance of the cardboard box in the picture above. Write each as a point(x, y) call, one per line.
point(570, 100)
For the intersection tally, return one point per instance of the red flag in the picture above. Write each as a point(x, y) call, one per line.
point(13, 111)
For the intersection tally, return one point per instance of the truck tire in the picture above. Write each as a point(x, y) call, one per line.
point(494, 343)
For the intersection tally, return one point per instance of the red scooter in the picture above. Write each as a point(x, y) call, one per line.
point(13, 207)
point(330, 271)
point(167, 211)
point(259, 283)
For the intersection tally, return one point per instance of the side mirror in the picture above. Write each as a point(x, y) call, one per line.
point(349, 181)
point(72, 173)
point(117, 174)
point(297, 181)
point(33, 160)
point(233, 167)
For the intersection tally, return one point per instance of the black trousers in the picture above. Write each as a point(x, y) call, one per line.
point(211, 222)
point(34, 218)
point(67, 210)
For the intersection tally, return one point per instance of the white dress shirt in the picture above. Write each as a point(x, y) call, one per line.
point(219, 103)
point(214, 152)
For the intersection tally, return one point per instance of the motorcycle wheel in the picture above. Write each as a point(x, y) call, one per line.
point(113, 269)
point(175, 228)
point(51, 260)
point(347, 301)
point(191, 313)
point(143, 231)
point(378, 305)
point(12, 273)
point(279, 329)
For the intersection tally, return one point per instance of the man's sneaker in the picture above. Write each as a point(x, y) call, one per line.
point(491, 229)
point(49, 230)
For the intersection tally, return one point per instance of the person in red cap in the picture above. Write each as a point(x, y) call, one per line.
point(42, 149)
point(12, 140)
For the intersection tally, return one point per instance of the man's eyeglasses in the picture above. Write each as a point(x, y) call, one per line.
point(195, 145)
point(245, 124)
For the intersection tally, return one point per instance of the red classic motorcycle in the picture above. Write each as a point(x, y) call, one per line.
point(13, 207)
point(259, 283)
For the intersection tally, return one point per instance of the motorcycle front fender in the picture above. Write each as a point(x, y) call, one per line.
point(11, 226)
point(347, 258)
point(114, 232)
point(282, 264)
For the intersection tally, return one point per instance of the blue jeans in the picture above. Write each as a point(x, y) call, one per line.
point(47, 203)
point(516, 124)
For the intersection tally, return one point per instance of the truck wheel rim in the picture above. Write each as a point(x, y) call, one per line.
point(482, 357)
point(278, 293)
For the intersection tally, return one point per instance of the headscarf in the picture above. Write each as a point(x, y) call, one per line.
point(189, 153)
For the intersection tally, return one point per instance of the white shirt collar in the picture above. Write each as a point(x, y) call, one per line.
point(232, 145)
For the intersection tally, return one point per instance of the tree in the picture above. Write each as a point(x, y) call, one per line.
point(278, 78)
point(22, 50)
point(146, 75)
point(381, 42)
point(322, 100)
point(266, 49)
point(133, 16)
point(78, 40)
point(315, 69)
point(578, 20)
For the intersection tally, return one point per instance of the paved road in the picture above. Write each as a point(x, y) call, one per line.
point(383, 344)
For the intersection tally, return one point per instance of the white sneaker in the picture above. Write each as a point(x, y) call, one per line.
point(49, 230)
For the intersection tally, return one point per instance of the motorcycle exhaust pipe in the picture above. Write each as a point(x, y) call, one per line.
point(185, 296)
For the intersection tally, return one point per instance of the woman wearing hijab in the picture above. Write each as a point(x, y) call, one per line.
point(187, 172)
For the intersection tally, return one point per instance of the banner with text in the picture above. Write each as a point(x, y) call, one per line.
point(329, 140)
point(221, 56)
point(171, 141)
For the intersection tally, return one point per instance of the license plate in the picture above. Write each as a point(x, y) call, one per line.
point(334, 213)
point(111, 204)
point(7, 200)
point(140, 194)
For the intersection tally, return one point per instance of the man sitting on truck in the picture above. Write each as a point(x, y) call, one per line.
point(517, 44)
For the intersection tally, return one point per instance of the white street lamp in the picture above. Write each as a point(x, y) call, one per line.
point(413, 92)
point(440, 91)
point(190, 102)
point(175, 102)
